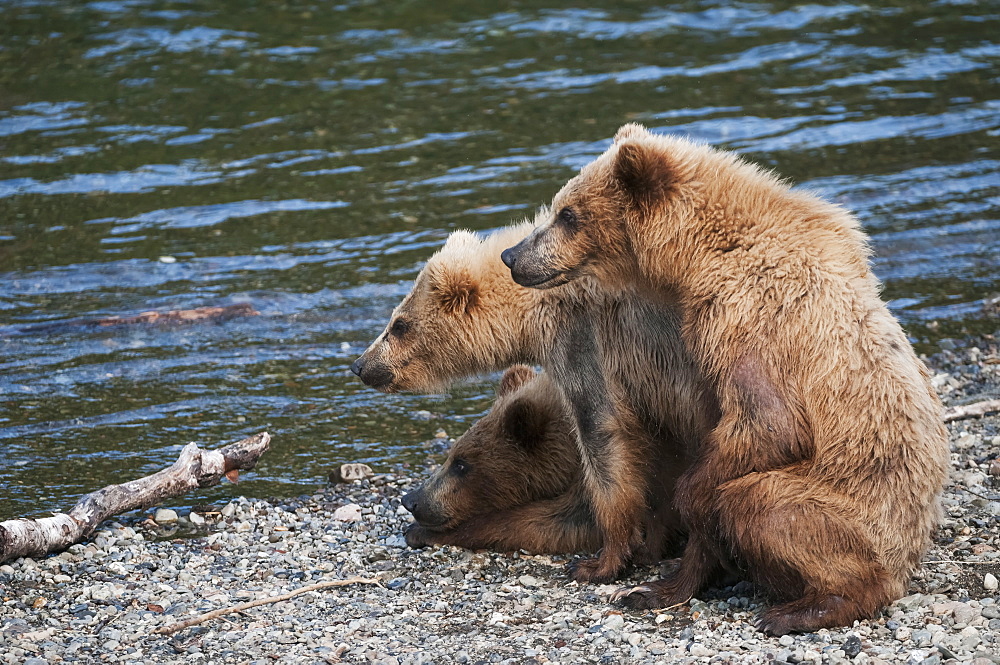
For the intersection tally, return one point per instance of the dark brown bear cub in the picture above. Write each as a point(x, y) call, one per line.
point(513, 481)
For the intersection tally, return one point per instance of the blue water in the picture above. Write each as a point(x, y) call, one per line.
point(305, 159)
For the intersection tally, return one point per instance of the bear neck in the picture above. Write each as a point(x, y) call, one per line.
point(522, 322)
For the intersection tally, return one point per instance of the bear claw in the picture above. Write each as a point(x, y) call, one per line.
point(628, 591)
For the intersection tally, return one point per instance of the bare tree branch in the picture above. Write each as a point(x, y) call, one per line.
point(971, 410)
point(193, 469)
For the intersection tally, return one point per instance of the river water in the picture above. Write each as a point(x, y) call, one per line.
point(304, 159)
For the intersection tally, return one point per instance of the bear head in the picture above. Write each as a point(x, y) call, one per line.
point(586, 230)
point(523, 450)
point(464, 316)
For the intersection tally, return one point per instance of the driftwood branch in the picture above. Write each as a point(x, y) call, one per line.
point(193, 469)
point(971, 410)
point(182, 315)
point(215, 614)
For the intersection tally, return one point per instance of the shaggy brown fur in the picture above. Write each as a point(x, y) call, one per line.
point(618, 361)
point(820, 478)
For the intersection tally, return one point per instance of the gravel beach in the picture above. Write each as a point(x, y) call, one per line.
point(101, 601)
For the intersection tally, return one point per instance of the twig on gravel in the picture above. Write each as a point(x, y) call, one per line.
point(215, 614)
point(971, 410)
point(981, 496)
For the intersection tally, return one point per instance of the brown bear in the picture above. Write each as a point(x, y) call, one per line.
point(820, 479)
point(635, 396)
point(518, 465)
point(514, 481)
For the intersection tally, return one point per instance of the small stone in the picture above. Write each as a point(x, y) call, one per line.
point(349, 513)
point(164, 516)
point(990, 582)
point(196, 519)
point(910, 603)
point(440, 434)
point(786, 640)
point(966, 441)
point(528, 581)
point(964, 613)
point(229, 510)
point(168, 259)
point(902, 634)
point(698, 650)
point(852, 646)
point(614, 622)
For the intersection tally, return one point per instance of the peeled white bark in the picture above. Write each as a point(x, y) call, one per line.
point(193, 469)
point(971, 410)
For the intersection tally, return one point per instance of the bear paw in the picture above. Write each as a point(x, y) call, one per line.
point(593, 570)
point(417, 536)
point(649, 596)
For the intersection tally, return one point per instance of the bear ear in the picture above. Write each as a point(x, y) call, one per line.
point(456, 291)
point(514, 378)
point(642, 172)
point(525, 423)
point(630, 131)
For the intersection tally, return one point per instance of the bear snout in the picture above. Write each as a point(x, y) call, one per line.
point(422, 510)
point(374, 374)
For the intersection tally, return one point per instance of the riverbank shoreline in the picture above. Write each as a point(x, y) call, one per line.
point(102, 600)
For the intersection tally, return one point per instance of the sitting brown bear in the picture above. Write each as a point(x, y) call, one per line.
point(820, 479)
point(514, 481)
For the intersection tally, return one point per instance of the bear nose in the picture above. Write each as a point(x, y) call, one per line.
point(357, 366)
point(409, 501)
point(509, 257)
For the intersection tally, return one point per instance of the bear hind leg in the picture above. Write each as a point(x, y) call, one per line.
point(806, 548)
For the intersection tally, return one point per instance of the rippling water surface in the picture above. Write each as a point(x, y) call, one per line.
point(305, 159)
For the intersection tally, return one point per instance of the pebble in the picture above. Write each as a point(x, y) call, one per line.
point(102, 600)
point(349, 513)
point(164, 516)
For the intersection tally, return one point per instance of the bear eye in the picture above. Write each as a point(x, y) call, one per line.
point(399, 327)
point(568, 218)
point(459, 467)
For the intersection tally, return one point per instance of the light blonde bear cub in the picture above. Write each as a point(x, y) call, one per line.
point(820, 479)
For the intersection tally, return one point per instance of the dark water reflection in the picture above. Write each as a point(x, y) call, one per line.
point(306, 158)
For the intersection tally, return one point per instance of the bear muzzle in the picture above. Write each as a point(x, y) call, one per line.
point(422, 510)
point(528, 267)
point(373, 374)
